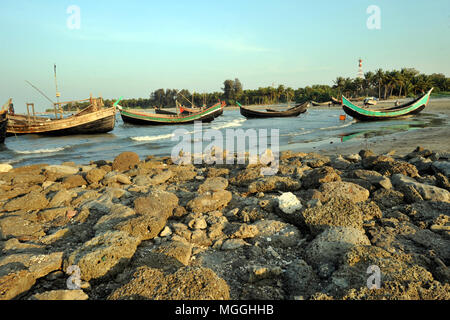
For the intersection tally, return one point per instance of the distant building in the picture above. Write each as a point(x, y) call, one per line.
point(360, 70)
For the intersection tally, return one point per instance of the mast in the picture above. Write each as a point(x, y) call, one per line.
point(57, 93)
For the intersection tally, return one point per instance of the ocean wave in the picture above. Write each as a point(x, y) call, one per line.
point(153, 138)
point(231, 124)
point(53, 150)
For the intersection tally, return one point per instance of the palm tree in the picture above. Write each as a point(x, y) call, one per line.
point(392, 81)
point(400, 81)
point(339, 84)
point(369, 81)
point(379, 77)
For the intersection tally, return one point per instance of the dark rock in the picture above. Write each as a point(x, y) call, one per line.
point(95, 175)
point(387, 198)
point(274, 183)
point(427, 192)
point(300, 280)
point(104, 254)
point(371, 161)
point(18, 227)
point(143, 227)
point(419, 152)
point(344, 190)
point(19, 272)
point(336, 212)
point(442, 167)
point(371, 211)
point(333, 243)
point(206, 203)
point(277, 234)
point(178, 250)
point(73, 182)
point(189, 283)
point(366, 154)
point(396, 167)
point(442, 181)
point(125, 161)
point(213, 185)
point(218, 172)
point(245, 177)
point(314, 178)
point(32, 201)
point(156, 203)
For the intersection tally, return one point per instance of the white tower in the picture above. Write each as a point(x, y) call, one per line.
point(360, 70)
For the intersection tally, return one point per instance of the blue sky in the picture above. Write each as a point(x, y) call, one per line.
point(131, 48)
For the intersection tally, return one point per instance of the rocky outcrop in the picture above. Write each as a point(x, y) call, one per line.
point(154, 230)
point(185, 284)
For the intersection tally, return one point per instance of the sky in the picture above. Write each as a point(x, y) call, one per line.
point(131, 48)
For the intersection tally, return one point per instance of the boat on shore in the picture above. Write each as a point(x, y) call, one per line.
point(335, 101)
point(270, 113)
point(3, 124)
point(404, 110)
point(318, 104)
point(145, 118)
point(95, 118)
point(370, 101)
point(186, 110)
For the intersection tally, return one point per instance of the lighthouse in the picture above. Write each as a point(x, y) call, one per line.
point(360, 70)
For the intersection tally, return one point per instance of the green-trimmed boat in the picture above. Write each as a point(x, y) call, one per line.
point(145, 118)
point(407, 109)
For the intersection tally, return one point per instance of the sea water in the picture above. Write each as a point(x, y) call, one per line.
point(308, 132)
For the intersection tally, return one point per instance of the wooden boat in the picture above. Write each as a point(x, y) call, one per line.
point(133, 117)
point(3, 123)
point(186, 110)
point(407, 109)
point(93, 119)
point(335, 101)
point(371, 101)
point(318, 104)
point(270, 113)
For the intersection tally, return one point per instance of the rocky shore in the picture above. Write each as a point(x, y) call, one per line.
point(149, 229)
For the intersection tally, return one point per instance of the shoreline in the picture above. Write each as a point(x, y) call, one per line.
point(134, 227)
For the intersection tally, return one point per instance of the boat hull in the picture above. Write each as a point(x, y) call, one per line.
point(101, 121)
point(161, 111)
point(411, 108)
point(293, 112)
point(207, 115)
point(3, 124)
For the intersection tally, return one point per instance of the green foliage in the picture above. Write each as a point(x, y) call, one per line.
point(407, 82)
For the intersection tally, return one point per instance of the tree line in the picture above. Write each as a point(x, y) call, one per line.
point(407, 82)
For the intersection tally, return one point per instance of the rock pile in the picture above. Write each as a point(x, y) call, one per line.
point(149, 229)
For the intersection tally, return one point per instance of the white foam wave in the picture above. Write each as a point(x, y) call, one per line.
point(231, 124)
point(153, 138)
point(53, 150)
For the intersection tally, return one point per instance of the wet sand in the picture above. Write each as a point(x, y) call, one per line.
point(401, 142)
